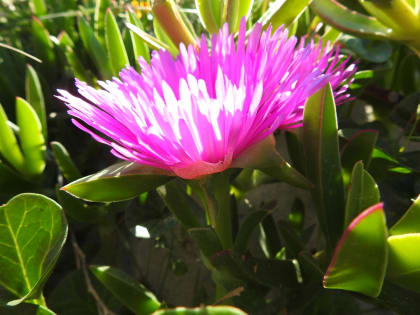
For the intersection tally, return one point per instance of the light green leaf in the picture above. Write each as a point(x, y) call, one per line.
point(410, 221)
point(320, 143)
point(33, 230)
point(283, 12)
point(38, 7)
point(206, 15)
point(118, 182)
point(35, 97)
point(363, 192)
point(9, 147)
point(360, 259)
point(404, 260)
point(99, 18)
point(26, 309)
point(31, 139)
point(128, 291)
point(114, 43)
point(153, 42)
point(205, 310)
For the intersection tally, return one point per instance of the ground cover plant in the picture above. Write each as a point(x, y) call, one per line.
point(209, 157)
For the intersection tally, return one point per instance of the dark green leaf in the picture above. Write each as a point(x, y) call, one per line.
point(118, 182)
point(323, 166)
point(128, 291)
point(26, 309)
point(207, 240)
point(363, 192)
point(247, 228)
point(205, 310)
point(100, 11)
point(64, 162)
point(35, 97)
point(33, 230)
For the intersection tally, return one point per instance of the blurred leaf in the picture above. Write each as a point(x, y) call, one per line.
point(246, 230)
point(204, 310)
point(320, 144)
point(408, 74)
point(26, 309)
point(139, 45)
point(121, 181)
point(38, 7)
point(31, 139)
point(207, 17)
point(179, 203)
point(35, 97)
point(283, 12)
point(358, 148)
point(269, 237)
point(64, 39)
point(42, 41)
point(99, 18)
point(94, 48)
point(33, 229)
point(207, 240)
point(115, 44)
point(410, 221)
point(9, 147)
point(153, 42)
point(349, 21)
point(64, 162)
point(293, 243)
point(360, 259)
point(404, 260)
point(164, 38)
point(167, 16)
point(264, 157)
point(76, 66)
point(363, 192)
point(377, 51)
point(128, 291)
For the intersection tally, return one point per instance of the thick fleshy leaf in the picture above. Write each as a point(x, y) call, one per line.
point(263, 156)
point(31, 139)
point(153, 42)
point(205, 310)
point(363, 192)
point(64, 162)
point(42, 41)
point(404, 260)
point(38, 7)
point(96, 52)
point(33, 230)
point(118, 182)
point(164, 38)
point(284, 12)
point(179, 203)
point(114, 43)
point(128, 291)
point(207, 240)
point(350, 21)
point(410, 221)
point(167, 15)
point(206, 15)
point(140, 47)
point(360, 259)
point(76, 65)
point(320, 142)
point(9, 148)
point(35, 97)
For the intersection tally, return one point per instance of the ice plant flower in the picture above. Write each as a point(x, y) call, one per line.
point(196, 114)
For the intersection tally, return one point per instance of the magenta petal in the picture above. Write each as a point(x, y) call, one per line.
point(198, 113)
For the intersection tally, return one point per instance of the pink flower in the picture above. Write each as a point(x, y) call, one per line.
point(196, 114)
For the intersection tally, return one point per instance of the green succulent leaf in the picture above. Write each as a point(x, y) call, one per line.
point(128, 291)
point(114, 43)
point(31, 138)
point(33, 230)
point(118, 182)
point(363, 192)
point(409, 222)
point(140, 47)
point(349, 269)
point(320, 143)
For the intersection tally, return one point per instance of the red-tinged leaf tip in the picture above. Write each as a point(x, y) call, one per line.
point(350, 228)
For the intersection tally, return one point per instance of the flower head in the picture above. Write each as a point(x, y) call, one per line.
point(194, 115)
